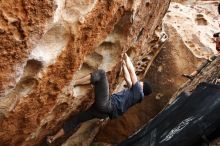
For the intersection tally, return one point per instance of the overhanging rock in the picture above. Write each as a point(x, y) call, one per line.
point(46, 45)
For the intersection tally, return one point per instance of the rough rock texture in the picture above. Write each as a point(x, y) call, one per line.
point(195, 23)
point(22, 24)
point(45, 45)
point(190, 27)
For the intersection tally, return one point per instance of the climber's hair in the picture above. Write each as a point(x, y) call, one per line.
point(219, 8)
point(146, 88)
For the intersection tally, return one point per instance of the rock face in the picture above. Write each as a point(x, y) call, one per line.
point(195, 23)
point(46, 45)
point(189, 26)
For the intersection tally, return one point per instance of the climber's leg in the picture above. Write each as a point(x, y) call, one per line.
point(89, 114)
point(101, 87)
point(71, 124)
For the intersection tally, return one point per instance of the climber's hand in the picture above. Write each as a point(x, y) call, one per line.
point(50, 139)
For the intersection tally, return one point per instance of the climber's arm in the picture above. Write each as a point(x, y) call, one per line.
point(131, 69)
point(126, 75)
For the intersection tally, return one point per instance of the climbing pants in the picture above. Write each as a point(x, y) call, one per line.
point(102, 106)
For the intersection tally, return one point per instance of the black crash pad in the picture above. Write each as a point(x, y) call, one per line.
point(188, 121)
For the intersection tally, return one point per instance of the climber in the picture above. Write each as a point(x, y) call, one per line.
point(105, 105)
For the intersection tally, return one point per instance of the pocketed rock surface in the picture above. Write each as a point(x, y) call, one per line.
point(46, 45)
